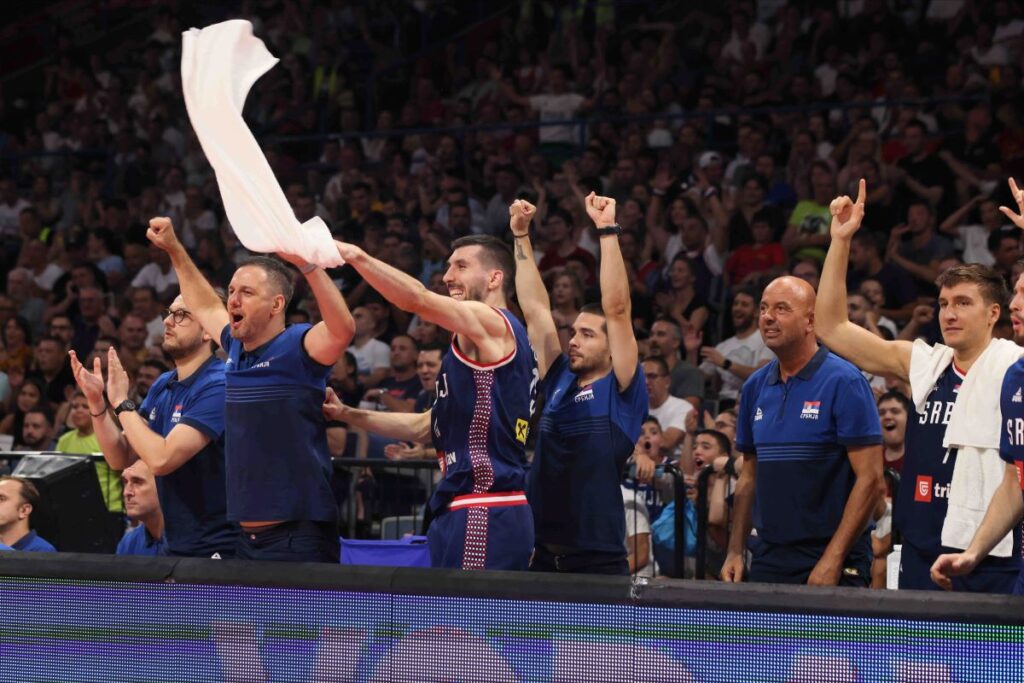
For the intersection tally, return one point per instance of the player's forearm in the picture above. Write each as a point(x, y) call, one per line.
point(400, 289)
point(198, 294)
point(613, 278)
point(113, 445)
point(151, 448)
point(402, 426)
point(332, 306)
point(1004, 513)
point(830, 311)
point(867, 491)
point(530, 289)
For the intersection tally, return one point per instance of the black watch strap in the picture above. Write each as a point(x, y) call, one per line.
point(613, 229)
point(124, 405)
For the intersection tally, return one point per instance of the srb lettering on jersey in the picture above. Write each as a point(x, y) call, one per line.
point(1015, 430)
point(936, 412)
point(441, 386)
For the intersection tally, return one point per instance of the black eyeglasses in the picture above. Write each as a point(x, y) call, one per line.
point(180, 315)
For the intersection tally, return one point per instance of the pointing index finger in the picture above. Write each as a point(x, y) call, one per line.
point(862, 192)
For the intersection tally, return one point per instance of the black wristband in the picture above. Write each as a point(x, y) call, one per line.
point(106, 406)
point(613, 229)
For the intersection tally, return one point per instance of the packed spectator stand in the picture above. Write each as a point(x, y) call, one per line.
point(722, 132)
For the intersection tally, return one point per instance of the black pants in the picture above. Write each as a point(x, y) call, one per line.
point(587, 562)
point(794, 563)
point(291, 542)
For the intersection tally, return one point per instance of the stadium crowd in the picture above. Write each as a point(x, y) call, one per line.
point(722, 134)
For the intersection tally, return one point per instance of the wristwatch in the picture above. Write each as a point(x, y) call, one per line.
point(613, 229)
point(726, 364)
point(124, 405)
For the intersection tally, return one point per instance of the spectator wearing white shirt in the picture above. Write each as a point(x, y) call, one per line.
point(157, 274)
point(373, 357)
point(557, 104)
point(638, 534)
point(667, 409)
point(732, 361)
point(11, 206)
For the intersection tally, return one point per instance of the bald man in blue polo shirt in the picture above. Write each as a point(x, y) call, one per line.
point(278, 464)
point(810, 432)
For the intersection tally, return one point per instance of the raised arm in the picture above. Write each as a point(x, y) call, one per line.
point(199, 296)
point(402, 426)
point(481, 324)
point(832, 324)
point(530, 290)
point(615, 293)
point(114, 446)
point(329, 338)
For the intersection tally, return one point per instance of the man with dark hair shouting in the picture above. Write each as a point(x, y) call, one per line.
point(278, 466)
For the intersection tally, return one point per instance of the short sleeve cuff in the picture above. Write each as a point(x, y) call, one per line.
point(201, 427)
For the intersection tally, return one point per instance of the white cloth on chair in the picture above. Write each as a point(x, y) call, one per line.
point(219, 65)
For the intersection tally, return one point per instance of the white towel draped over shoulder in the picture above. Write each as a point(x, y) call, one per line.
point(973, 430)
point(219, 65)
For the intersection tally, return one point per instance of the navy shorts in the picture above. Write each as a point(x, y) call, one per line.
point(998, 576)
point(291, 542)
point(793, 564)
point(482, 537)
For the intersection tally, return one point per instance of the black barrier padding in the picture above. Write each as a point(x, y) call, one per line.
point(859, 602)
point(988, 609)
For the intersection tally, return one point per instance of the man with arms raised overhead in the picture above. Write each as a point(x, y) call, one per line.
point(278, 465)
point(485, 397)
point(595, 402)
point(942, 378)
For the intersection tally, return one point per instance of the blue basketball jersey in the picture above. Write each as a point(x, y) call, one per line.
point(1011, 441)
point(927, 466)
point(481, 419)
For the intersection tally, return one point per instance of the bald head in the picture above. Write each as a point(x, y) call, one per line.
point(787, 316)
point(796, 290)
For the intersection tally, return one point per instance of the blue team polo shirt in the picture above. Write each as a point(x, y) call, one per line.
point(32, 543)
point(193, 497)
point(585, 436)
point(138, 541)
point(800, 431)
point(278, 464)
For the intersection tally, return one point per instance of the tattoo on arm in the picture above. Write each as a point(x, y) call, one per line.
point(520, 255)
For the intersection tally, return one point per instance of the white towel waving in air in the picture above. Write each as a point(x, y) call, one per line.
point(219, 65)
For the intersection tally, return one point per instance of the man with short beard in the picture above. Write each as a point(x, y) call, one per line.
point(178, 431)
point(594, 404)
point(735, 359)
point(36, 431)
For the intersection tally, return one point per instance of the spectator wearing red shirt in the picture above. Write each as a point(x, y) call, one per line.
point(763, 260)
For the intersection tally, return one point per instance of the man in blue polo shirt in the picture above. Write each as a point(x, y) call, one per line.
point(595, 400)
point(18, 497)
point(278, 464)
point(810, 433)
point(178, 431)
point(142, 506)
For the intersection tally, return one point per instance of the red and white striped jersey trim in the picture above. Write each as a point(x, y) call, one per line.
point(488, 500)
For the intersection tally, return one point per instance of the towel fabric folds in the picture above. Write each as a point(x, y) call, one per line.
point(219, 65)
point(973, 430)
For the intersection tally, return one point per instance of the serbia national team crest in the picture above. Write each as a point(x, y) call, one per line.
point(811, 410)
point(176, 416)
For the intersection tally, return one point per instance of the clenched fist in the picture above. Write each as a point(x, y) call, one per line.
point(161, 233)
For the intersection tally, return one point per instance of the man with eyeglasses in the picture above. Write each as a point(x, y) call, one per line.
point(669, 410)
point(178, 431)
point(62, 329)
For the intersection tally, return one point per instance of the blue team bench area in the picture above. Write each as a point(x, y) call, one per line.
point(79, 617)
